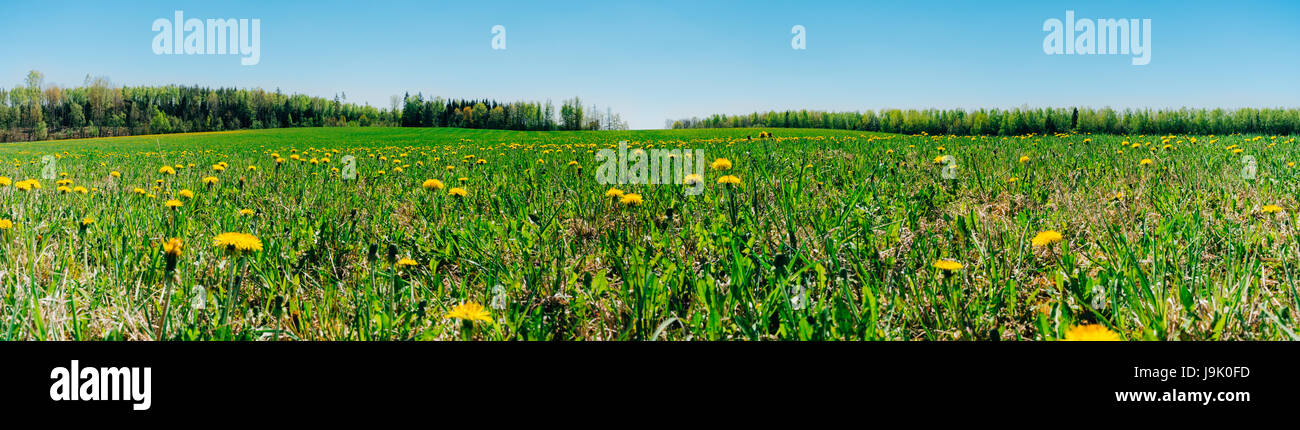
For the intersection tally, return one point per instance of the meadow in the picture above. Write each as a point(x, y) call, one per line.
point(506, 235)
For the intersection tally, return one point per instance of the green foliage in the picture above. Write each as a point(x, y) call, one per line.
point(66, 112)
point(831, 235)
point(1018, 121)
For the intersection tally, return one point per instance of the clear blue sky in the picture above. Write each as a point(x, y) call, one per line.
point(651, 61)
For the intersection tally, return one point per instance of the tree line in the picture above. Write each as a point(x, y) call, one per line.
point(437, 112)
point(1019, 121)
point(36, 111)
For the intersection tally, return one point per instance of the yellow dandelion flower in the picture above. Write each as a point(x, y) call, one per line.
point(614, 193)
point(172, 247)
point(1271, 209)
point(237, 242)
point(1090, 332)
point(246, 212)
point(6, 224)
point(1146, 161)
point(186, 194)
point(1046, 238)
point(433, 184)
point(729, 179)
point(469, 311)
point(406, 262)
point(458, 192)
point(947, 265)
point(631, 199)
point(721, 164)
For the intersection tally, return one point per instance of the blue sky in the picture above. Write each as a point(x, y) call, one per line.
point(651, 61)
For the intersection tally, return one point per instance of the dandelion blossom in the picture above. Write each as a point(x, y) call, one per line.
point(1090, 332)
point(237, 242)
point(1146, 161)
point(433, 184)
point(1046, 238)
point(406, 262)
point(173, 203)
point(614, 193)
point(631, 200)
point(172, 247)
point(1271, 209)
point(947, 265)
point(729, 179)
point(6, 224)
point(721, 164)
point(458, 192)
point(470, 312)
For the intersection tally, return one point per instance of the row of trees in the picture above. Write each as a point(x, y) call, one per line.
point(36, 111)
point(437, 112)
point(1020, 121)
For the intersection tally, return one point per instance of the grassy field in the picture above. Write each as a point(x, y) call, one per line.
point(829, 235)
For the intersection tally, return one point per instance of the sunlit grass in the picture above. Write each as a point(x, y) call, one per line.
point(810, 234)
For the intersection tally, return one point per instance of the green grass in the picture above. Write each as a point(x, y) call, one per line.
point(833, 235)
